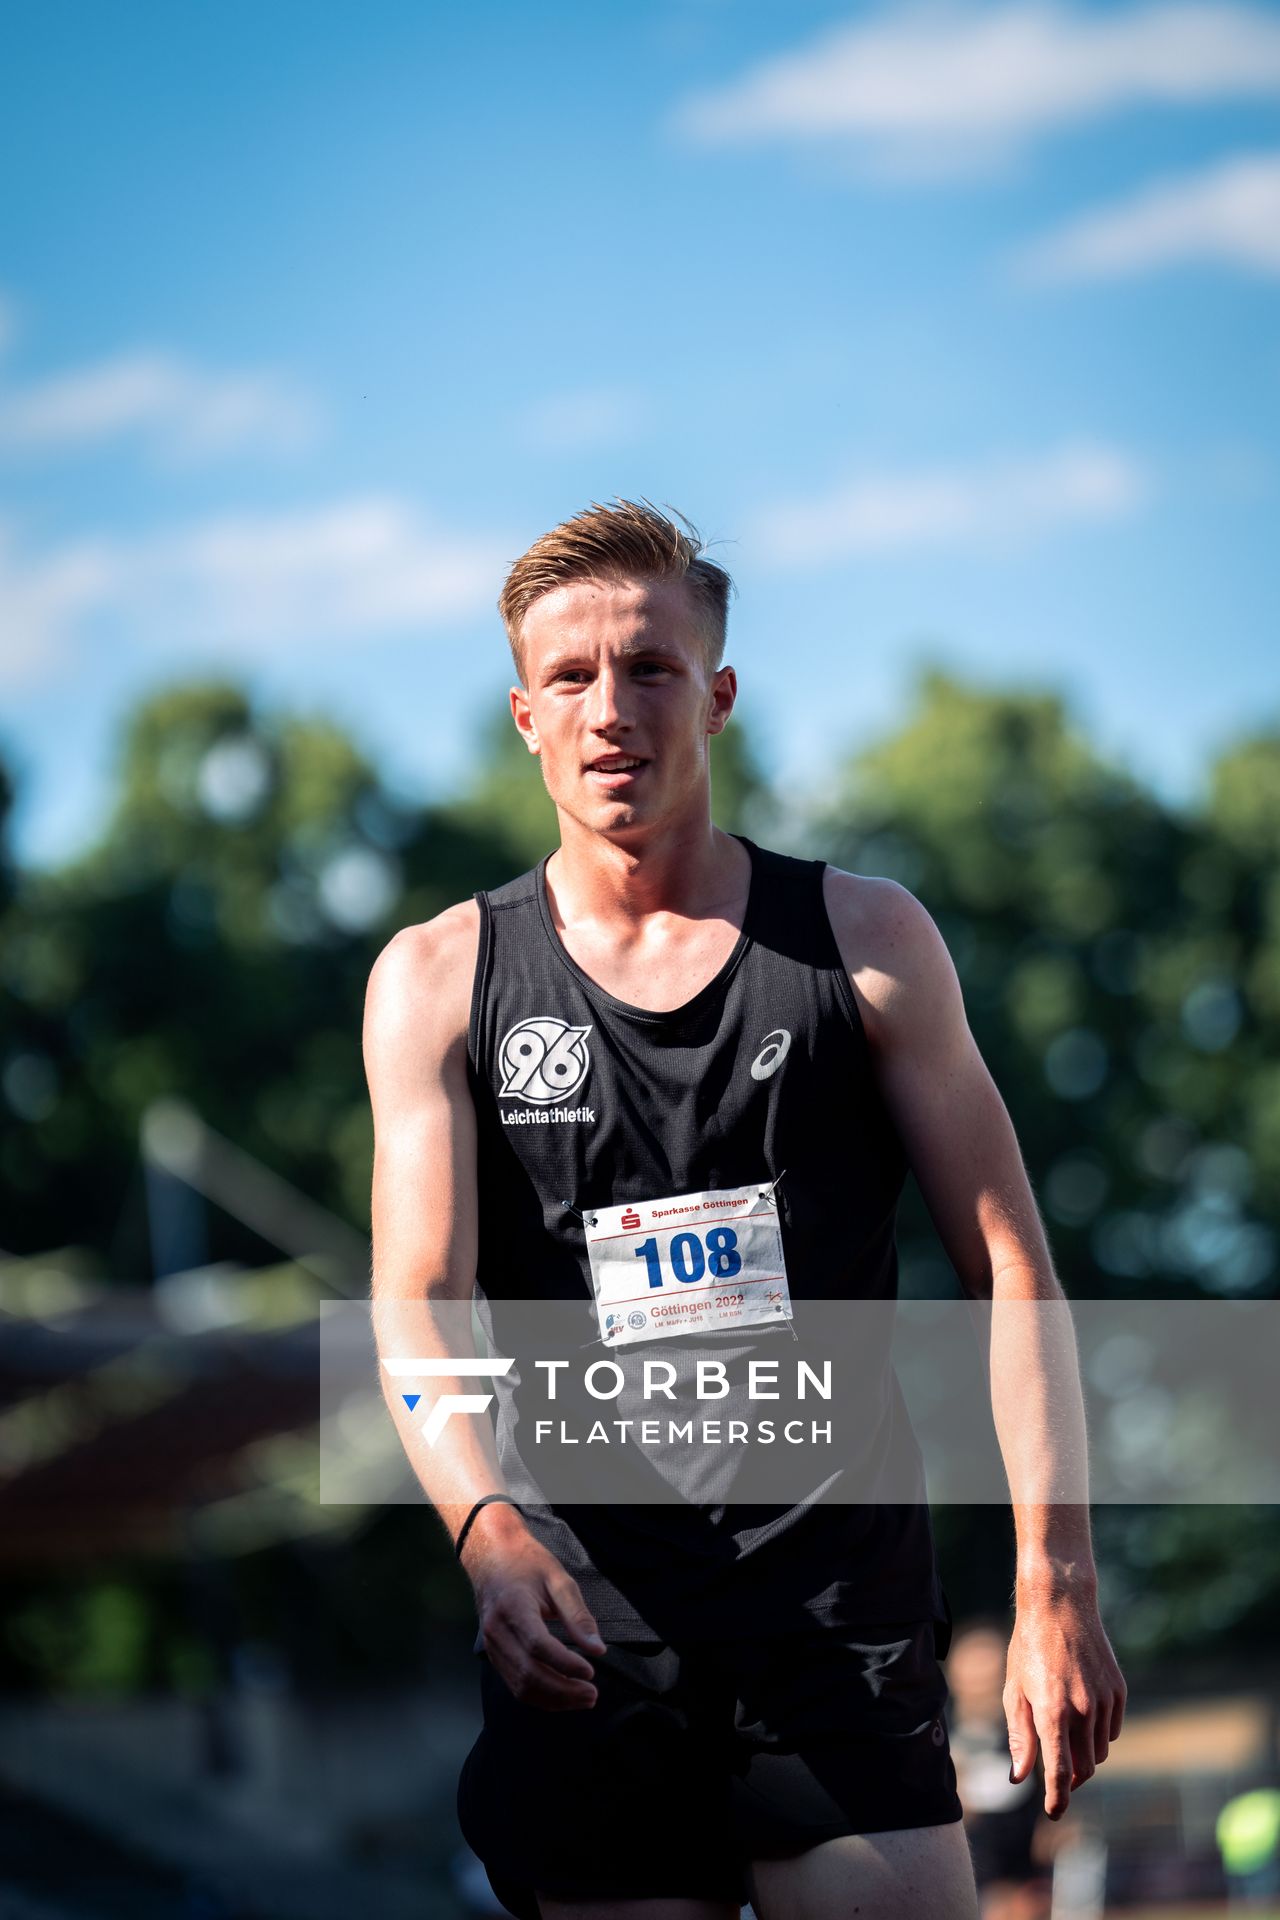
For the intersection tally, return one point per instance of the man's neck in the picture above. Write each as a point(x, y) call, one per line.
point(692, 871)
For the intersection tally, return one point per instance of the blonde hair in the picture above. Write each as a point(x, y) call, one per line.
point(627, 540)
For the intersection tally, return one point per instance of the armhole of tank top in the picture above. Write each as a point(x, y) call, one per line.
point(844, 986)
point(479, 985)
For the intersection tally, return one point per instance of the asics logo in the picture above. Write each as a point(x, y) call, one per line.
point(777, 1045)
point(543, 1060)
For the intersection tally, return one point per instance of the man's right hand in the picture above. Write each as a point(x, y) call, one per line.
point(519, 1586)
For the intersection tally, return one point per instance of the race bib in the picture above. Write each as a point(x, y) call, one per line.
point(690, 1263)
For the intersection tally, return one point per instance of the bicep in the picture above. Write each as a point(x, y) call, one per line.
point(965, 1155)
point(953, 1123)
point(424, 1163)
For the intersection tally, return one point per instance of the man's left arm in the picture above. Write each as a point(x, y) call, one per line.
point(1064, 1693)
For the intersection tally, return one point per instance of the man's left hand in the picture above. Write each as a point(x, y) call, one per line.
point(1064, 1694)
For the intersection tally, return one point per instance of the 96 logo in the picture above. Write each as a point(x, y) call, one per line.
point(543, 1060)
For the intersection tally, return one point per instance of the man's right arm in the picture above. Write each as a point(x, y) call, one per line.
point(425, 1239)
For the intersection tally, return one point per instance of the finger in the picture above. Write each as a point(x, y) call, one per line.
point(536, 1686)
point(1117, 1711)
point(1057, 1772)
point(1101, 1738)
point(541, 1688)
point(1083, 1760)
point(564, 1703)
point(533, 1683)
point(519, 1630)
point(541, 1646)
point(575, 1615)
point(1023, 1743)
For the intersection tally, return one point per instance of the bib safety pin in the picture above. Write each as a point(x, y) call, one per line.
point(587, 1219)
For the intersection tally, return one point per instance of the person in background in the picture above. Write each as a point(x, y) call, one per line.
point(1008, 1834)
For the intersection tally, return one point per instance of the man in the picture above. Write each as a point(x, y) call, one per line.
point(687, 1705)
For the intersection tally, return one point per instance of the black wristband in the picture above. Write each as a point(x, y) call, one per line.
point(465, 1528)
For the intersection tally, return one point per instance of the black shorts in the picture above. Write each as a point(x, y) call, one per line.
point(694, 1762)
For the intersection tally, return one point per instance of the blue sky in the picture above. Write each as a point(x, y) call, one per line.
point(959, 328)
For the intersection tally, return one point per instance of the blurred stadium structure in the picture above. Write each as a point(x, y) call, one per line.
point(175, 1422)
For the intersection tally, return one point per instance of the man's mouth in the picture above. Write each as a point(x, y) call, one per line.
point(616, 771)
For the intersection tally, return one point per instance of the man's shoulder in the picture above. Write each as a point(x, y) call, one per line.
point(424, 974)
point(443, 940)
point(889, 943)
point(873, 914)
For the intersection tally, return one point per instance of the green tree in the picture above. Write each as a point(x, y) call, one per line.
point(213, 945)
point(1103, 943)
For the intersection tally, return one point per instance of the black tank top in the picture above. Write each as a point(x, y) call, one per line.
point(583, 1101)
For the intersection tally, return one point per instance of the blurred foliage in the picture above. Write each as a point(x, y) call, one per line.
point(509, 800)
point(1120, 961)
point(1120, 965)
point(214, 945)
point(94, 1637)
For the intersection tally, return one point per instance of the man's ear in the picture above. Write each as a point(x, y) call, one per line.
point(522, 714)
point(724, 692)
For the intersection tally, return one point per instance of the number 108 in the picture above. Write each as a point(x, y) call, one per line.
point(691, 1257)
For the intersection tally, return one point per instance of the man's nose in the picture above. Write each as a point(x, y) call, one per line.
point(607, 704)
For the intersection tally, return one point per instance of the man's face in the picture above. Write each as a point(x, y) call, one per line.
point(619, 700)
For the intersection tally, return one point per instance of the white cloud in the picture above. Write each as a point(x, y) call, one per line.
point(42, 597)
point(929, 88)
point(184, 412)
point(360, 567)
point(357, 569)
point(993, 502)
point(1228, 213)
point(576, 422)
